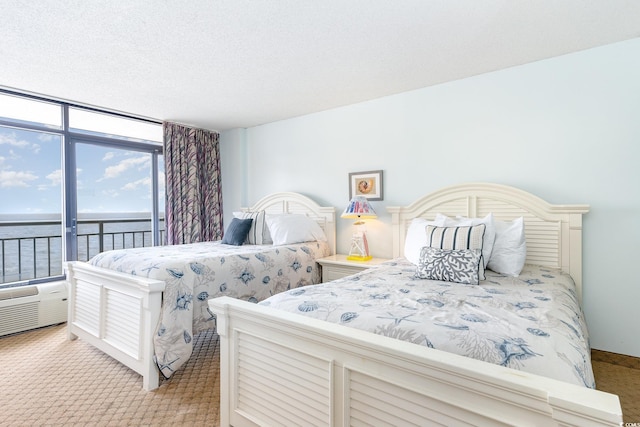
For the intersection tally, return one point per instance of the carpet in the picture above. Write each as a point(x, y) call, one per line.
point(50, 381)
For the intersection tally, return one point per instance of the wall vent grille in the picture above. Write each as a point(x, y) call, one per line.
point(29, 307)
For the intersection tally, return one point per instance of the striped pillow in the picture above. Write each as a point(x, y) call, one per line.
point(462, 237)
point(258, 228)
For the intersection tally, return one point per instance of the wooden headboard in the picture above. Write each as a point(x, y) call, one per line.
point(553, 232)
point(295, 203)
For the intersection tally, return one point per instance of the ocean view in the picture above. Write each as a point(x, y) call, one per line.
point(31, 245)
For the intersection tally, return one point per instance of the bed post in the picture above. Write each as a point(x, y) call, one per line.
point(398, 235)
point(222, 328)
point(575, 251)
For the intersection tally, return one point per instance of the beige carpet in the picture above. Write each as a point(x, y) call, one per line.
point(49, 381)
point(619, 379)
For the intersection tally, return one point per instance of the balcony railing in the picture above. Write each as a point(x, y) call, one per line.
point(33, 249)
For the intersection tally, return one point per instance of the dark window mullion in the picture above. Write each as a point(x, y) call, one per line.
point(70, 188)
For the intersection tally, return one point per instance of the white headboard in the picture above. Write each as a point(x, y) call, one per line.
point(288, 202)
point(553, 232)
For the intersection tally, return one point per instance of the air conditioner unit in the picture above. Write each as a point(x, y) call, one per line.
point(32, 306)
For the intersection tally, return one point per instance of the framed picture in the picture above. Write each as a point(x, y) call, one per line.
point(367, 184)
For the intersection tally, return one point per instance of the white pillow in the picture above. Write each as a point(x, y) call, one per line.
point(294, 228)
point(259, 232)
point(489, 234)
point(416, 238)
point(510, 248)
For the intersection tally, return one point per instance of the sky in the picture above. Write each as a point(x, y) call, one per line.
point(109, 179)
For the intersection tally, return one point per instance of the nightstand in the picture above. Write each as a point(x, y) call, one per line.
point(338, 266)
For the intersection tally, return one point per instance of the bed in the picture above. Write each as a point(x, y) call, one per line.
point(279, 367)
point(142, 306)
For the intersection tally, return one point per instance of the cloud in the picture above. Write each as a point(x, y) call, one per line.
point(12, 140)
point(108, 156)
point(16, 179)
point(144, 182)
point(110, 193)
point(55, 178)
point(43, 136)
point(124, 165)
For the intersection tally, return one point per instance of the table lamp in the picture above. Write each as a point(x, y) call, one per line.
point(359, 208)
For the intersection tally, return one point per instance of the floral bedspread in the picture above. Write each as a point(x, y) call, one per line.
point(196, 272)
point(532, 323)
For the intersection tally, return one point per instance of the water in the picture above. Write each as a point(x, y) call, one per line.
point(31, 247)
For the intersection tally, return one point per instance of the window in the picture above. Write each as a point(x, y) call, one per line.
point(31, 204)
point(74, 181)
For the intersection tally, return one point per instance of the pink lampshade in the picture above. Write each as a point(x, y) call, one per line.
point(359, 207)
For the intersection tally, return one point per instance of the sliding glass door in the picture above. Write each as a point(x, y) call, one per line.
point(115, 199)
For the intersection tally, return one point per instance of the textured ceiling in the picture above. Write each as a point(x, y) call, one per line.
point(222, 64)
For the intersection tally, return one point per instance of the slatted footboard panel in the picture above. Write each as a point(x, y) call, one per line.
point(116, 313)
point(278, 368)
point(124, 309)
point(374, 402)
point(278, 385)
point(83, 313)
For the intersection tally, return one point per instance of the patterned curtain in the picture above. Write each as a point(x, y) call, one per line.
point(194, 192)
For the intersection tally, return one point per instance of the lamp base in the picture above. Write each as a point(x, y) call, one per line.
point(359, 257)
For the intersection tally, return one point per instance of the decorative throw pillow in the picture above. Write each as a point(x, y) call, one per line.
point(510, 249)
point(450, 265)
point(259, 232)
point(237, 231)
point(489, 235)
point(462, 237)
point(416, 238)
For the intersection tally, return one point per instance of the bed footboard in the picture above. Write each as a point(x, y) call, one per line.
point(116, 313)
point(278, 368)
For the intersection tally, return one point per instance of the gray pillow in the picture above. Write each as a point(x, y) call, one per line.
point(237, 231)
point(450, 265)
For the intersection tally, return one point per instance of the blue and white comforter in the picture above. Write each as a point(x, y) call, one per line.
point(196, 272)
point(533, 322)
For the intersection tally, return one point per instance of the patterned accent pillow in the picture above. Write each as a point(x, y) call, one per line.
point(461, 237)
point(450, 265)
point(259, 232)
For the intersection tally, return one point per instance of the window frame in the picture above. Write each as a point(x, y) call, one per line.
point(69, 141)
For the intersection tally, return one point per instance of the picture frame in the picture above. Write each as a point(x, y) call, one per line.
point(367, 184)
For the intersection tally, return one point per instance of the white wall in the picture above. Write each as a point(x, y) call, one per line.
point(566, 129)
